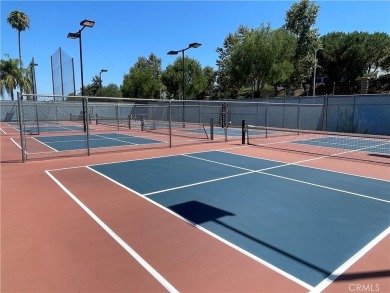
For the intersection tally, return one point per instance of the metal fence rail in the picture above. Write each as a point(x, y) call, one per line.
point(52, 126)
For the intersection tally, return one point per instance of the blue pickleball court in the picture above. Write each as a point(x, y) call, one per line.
point(104, 140)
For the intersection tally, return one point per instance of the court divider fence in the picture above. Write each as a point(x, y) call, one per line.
point(50, 126)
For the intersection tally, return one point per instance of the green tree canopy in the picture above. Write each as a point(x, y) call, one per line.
point(194, 78)
point(348, 56)
point(210, 76)
point(12, 76)
point(263, 56)
point(300, 19)
point(143, 79)
point(227, 85)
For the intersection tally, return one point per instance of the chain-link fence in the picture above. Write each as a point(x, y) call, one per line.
point(51, 126)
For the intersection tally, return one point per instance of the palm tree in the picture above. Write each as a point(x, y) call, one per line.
point(11, 76)
point(19, 21)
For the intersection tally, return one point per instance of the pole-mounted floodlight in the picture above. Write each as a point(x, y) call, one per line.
point(194, 45)
point(74, 35)
point(85, 23)
point(100, 78)
point(172, 52)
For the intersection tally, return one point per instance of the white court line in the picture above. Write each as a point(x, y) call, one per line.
point(199, 227)
point(340, 270)
point(298, 164)
point(115, 139)
point(261, 171)
point(243, 251)
point(45, 145)
point(326, 187)
point(15, 143)
point(3, 130)
point(119, 240)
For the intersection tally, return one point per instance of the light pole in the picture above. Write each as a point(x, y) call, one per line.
point(85, 23)
point(33, 80)
point(172, 52)
point(192, 45)
point(315, 69)
point(100, 78)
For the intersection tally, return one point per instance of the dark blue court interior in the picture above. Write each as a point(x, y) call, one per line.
point(76, 142)
point(304, 221)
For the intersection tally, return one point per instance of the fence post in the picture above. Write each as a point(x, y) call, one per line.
point(170, 124)
point(353, 128)
point(87, 125)
point(299, 115)
point(325, 113)
point(225, 121)
point(37, 113)
point(21, 127)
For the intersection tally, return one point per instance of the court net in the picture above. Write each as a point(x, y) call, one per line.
point(372, 148)
point(113, 121)
point(176, 128)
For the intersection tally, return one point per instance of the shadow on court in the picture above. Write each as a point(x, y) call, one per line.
point(199, 213)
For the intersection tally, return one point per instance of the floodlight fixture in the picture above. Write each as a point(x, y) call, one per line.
point(194, 45)
point(87, 23)
point(74, 35)
point(173, 52)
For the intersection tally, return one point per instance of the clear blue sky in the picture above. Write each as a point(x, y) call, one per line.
point(126, 30)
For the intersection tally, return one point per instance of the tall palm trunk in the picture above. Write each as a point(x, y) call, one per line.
point(20, 61)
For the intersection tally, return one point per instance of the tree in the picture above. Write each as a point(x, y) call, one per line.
point(377, 48)
point(346, 57)
point(92, 90)
point(111, 90)
point(12, 76)
point(194, 79)
point(300, 19)
point(143, 79)
point(262, 57)
point(384, 62)
point(19, 21)
point(228, 85)
point(210, 76)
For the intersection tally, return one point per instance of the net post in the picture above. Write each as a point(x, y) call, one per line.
point(243, 123)
point(87, 126)
point(21, 127)
point(211, 129)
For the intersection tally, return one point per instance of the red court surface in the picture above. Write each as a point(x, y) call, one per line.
point(50, 244)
